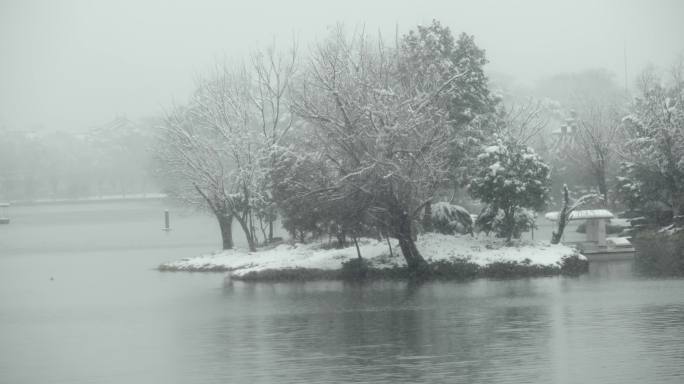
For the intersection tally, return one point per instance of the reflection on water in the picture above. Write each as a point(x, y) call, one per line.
point(613, 269)
point(109, 317)
point(542, 330)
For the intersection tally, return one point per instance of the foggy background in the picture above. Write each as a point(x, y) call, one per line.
point(72, 65)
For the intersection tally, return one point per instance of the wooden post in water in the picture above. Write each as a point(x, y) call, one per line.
point(4, 217)
point(167, 221)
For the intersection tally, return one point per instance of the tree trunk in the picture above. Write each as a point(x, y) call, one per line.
point(358, 251)
point(389, 245)
point(226, 225)
point(562, 218)
point(263, 231)
point(252, 229)
point(248, 234)
point(603, 186)
point(341, 239)
point(270, 230)
point(414, 261)
point(676, 205)
point(427, 217)
point(509, 223)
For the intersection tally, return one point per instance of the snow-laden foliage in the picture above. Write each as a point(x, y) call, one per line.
point(655, 168)
point(450, 219)
point(523, 221)
point(492, 221)
point(310, 203)
point(510, 176)
point(383, 123)
point(431, 56)
point(389, 146)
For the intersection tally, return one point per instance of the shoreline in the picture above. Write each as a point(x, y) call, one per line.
point(449, 257)
point(133, 197)
point(457, 271)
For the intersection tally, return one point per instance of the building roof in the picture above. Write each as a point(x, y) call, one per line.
point(583, 215)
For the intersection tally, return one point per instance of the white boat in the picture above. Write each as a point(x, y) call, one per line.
point(598, 247)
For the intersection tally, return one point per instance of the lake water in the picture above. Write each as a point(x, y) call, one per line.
point(109, 317)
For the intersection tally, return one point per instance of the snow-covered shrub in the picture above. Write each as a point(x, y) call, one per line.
point(511, 177)
point(450, 219)
point(491, 220)
point(485, 220)
point(524, 221)
point(655, 149)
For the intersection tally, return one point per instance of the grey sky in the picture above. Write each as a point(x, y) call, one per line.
point(73, 64)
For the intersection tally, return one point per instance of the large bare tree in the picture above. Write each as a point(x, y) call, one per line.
point(221, 146)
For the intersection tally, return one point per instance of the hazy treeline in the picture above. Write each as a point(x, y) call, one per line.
point(111, 159)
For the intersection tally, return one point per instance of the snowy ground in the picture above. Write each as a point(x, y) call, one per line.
point(482, 250)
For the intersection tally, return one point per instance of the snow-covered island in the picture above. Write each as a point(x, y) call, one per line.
point(477, 252)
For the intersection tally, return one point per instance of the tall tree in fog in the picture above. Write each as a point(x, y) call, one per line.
point(654, 156)
point(434, 53)
point(594, 135)
point(220, 147)
point(385, 131)
point(274, 73)
point(431, 53)
point(590, 106)
point(189, 167)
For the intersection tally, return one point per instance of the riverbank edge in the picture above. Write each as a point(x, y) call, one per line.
point(135, 197)
point(354, 270)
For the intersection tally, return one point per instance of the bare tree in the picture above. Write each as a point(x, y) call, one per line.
point(191, 169)
point(223, 143)
point(524, 121)
point(592, 138)
point(274, 73)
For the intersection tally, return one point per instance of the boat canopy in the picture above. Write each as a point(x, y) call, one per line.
point(582, 215)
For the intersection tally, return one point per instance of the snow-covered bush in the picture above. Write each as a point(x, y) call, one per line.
point(450, 219)
point(491, 220)
point(655, 152)
point(523, 221)
point(511, 176)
